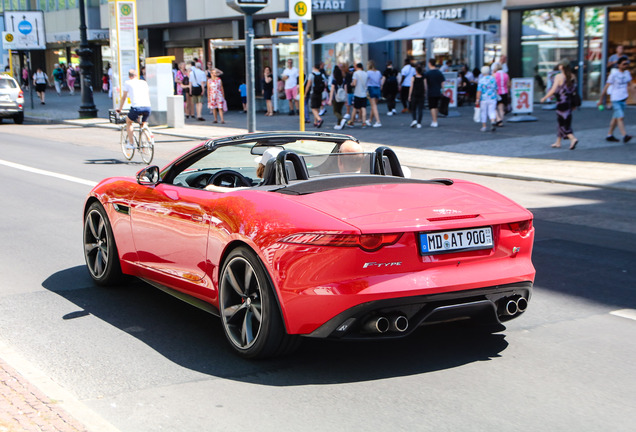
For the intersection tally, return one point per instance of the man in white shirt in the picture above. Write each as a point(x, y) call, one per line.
point(618, 83)
point(359, 83)
point(198, 80)
point(290, 76)
point(139, 95)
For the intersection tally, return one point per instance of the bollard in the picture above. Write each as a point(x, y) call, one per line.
point(176, 117)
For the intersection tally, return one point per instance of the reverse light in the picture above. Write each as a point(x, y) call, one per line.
point(522, 228)
point(366, 242)
point(20, 98)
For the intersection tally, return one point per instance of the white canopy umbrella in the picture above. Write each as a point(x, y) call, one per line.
point(433, 28)
point(359, 33)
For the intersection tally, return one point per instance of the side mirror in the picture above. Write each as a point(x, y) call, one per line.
point(148, 176)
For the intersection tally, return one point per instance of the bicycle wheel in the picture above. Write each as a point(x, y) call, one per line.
point(129, 151)
point(147, 146)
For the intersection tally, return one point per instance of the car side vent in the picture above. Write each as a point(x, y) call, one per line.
point(446, 218)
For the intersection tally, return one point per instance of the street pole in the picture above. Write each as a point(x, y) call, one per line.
point(249, 52)
point(301, 74)
point(87, 108)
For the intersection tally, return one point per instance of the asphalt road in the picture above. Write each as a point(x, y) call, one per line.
point(144, 361)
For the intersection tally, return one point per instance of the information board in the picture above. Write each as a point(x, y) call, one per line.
point(123, 44)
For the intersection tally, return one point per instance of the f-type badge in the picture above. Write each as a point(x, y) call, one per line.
point(382, 265)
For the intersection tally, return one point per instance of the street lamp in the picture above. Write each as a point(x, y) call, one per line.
point(87, 108)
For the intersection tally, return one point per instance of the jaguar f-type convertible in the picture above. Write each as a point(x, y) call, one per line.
point(284, 235)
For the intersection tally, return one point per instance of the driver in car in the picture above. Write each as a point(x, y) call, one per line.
point(268, 155)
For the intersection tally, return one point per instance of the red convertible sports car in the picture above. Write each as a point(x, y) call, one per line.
point(303, 234)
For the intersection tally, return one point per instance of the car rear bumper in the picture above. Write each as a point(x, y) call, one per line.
point(486, 305)
point(9, 109)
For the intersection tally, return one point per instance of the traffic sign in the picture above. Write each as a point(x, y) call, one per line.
point(27, 29)
point(8, 41)
point(300, 10)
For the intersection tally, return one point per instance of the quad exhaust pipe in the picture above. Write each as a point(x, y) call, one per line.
point(512, 306)
point(394, 323)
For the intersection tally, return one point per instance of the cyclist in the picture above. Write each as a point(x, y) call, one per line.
point(139, 95)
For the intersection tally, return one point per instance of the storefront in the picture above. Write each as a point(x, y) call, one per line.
point(472, 51)
point(586, 33)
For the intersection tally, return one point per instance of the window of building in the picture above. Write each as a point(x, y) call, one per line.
point(548, 36)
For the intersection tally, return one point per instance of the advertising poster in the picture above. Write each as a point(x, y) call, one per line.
point(521, 93)
point(449, 88)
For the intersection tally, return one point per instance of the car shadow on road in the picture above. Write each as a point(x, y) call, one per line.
point(194, 339)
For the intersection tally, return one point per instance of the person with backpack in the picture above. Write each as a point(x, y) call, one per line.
point(316, 84)
point(338, 95)
point(58, 78)
point(390, 87)
point(71, 76)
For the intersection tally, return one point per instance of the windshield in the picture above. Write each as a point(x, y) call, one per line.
point(7, 83)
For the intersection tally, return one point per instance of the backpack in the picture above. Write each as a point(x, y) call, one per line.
point(58, 74)
point(319, 84)
point(73, 73)
point(341, 94)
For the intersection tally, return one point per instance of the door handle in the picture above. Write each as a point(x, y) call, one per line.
point(197, 218)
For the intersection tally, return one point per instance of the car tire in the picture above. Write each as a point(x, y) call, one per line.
point(19, 118)
point(100, 250)
point(249, 311)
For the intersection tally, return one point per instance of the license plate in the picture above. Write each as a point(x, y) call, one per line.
point(456, 241)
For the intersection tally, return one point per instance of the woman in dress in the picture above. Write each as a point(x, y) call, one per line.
point(268, 89)
point(486, 98)
point(563, 88)
point(216, 95)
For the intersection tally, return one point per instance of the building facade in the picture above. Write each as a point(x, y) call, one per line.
point(587, 32)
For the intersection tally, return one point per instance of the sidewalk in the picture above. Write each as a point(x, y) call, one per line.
point(518, 150)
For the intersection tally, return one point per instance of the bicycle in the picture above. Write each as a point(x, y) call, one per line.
point(144, 140)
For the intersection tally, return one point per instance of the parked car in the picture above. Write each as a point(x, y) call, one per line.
point(11, 99)
point(329, 244)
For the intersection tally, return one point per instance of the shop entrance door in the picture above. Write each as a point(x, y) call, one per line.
point(232, 62)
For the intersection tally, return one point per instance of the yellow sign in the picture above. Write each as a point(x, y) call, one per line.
point(8, 37)
point(300, 9)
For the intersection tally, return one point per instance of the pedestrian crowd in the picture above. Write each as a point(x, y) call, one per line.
point(63, 76)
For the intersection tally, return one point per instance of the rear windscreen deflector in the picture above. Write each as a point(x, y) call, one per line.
point(341, 182)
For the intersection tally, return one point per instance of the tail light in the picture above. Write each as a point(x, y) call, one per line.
point(20, 98)
point(366, 242)
point(522, 228)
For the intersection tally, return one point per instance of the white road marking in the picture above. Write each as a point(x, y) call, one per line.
point(48, 173)
point(625, 313)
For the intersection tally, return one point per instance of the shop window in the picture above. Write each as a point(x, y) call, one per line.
point(548, 36)
point(594, 30)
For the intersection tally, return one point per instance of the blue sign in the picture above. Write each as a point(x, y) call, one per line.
point(25, 27)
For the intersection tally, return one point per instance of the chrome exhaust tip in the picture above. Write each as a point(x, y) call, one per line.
point(377, 325)
point(399, 323)
point(511, 307)
point(522, 304)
